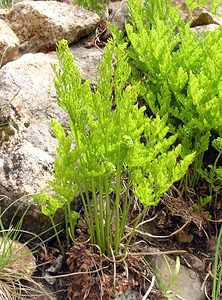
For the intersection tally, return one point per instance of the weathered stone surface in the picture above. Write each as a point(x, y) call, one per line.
point(27, 84)
point(205, 28)
point(26, 145)
point(121, 16)
point(118, 17)
point(36, 226)
point(25, 166)
point(9, 43)
point(128, 295)
point(206, 18)
point(196, 263)
point(87, 60)
point(40, 24)
point(3, 13)
point(27, 148)
point(187, 284)
point(21, 260)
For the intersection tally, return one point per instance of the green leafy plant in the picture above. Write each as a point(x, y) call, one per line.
point(5, 4)
point(112, 147)
point(213, 175)
point(164, 286)
point(16, 261)
point(211, 5)
point(49, 206)
point(217, 271)
point(99, 6)
point(180, 73)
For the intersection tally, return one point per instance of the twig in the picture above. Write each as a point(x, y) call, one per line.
point(178, 296)
point(146, 221)
point(205, 281)
point(150, 288)
point(205, 292)
point(215, 221)
point(121, 257)
point(159, 236)
point(126, 269)
point(156, 253)
point(72, 274)
point(114, 269)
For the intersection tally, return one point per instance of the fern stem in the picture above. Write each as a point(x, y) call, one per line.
point(134, 228)
point(126, 207)
point(56, 234)
point(117, 206)
point(108, 218)
point(101, 214)
point(96, 213)
point(89, 215)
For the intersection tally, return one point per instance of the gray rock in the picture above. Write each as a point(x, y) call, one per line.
point(25, 169)
point(27, 148)
point(121, 16)
point(9, 43)
point(196, 263)
point(128, 295)
point(27, 85)
point(118, 17)
point(206, 18)
point(41, 24)
point(26, 159)
point(3, 13)
point(204, 28)
point(187, 285)
point(87, 60)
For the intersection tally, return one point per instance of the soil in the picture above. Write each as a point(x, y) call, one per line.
point(176, 226)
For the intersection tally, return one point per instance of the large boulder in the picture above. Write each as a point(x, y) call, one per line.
point(9, 43)
point(27, 85)
point(28, 102)
point(41, 24)
point(27, 148)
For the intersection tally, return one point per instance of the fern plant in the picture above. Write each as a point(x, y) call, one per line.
point(181, 74)
point(99, 6)
point(213, 175)
point(211, 5)
point(5, 4)
point(111, 147)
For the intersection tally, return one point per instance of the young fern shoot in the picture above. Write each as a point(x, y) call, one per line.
point(104, 156)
